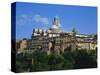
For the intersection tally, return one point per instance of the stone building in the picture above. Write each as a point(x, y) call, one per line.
point(53, 40)
point(22, 45)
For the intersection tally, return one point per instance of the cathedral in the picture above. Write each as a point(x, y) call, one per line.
point(53, 40)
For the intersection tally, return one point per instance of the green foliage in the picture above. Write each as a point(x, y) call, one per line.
point(40, 61)
point(69, 61)
point(22, 63)
point(84, 59)
point(55, 62)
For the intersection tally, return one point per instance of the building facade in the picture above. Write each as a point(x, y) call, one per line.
point(53, 40)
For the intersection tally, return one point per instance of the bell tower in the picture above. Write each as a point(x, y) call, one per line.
point(56, 21)
point(55, 26)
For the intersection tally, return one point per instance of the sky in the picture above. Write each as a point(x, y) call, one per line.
point(35, 15)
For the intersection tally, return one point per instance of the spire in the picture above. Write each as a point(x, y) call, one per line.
point(55, 26)
point(56, 21)
point(74, 30)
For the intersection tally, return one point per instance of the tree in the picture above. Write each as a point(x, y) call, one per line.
point(22, 62)
point(40, 61)
point(68, 60)
point(55, 62)
point(84, 60)
point(95, 37)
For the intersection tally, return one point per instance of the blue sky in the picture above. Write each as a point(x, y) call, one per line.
point(34, 15)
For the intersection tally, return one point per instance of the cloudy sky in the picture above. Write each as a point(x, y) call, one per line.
point(33, 15)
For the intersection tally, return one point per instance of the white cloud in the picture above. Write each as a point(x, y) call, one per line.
point(44, 20)
point(21, 19)
point(25, 19)
point(37, 18)
point(40, 19)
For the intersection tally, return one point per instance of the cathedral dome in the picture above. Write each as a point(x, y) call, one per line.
point(54, 27)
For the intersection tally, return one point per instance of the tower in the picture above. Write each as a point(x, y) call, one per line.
point(55, 26)
point(56, 21)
